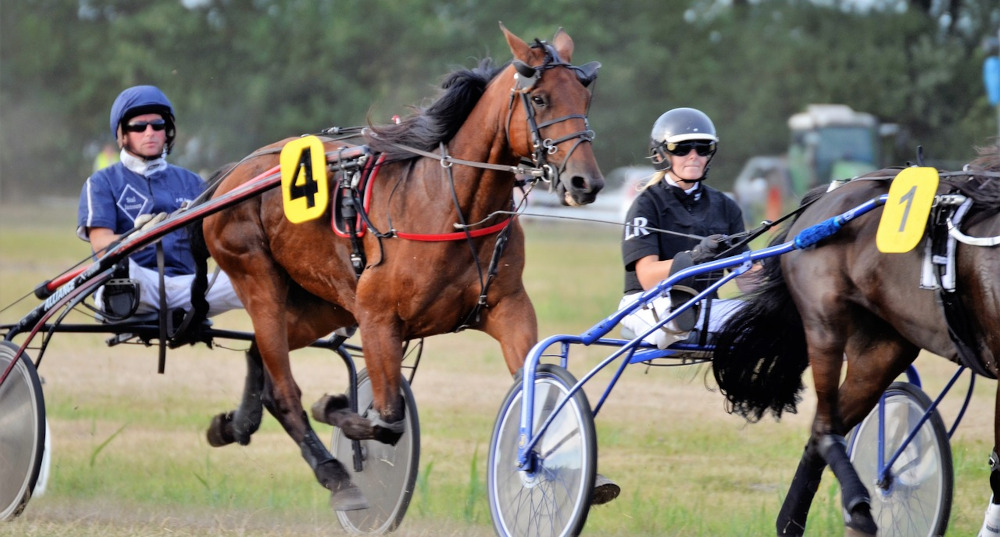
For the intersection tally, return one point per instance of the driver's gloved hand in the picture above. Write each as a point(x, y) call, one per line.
point(146, 221)
point(708, 248)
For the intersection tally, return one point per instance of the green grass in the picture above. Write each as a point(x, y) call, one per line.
point(130, 458)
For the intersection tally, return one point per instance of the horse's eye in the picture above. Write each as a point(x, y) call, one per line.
point(538, 100)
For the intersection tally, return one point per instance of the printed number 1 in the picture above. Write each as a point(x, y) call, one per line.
point(908, 200)
point(908, 206)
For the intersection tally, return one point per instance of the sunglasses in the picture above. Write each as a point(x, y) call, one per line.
point(140, 126)
point(681, 149)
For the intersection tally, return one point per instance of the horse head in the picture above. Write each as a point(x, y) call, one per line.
point(547, 117)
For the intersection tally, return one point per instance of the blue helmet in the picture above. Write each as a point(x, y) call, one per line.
point(139, 100)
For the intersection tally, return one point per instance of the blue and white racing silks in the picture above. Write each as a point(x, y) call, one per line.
point(115, 196)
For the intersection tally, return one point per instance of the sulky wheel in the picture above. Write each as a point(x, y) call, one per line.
point(22, 431)
point(552, 498)
point(914, 500)
point(388, 473)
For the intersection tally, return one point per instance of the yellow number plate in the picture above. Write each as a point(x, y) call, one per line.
point(304, 185)
point(906, 210)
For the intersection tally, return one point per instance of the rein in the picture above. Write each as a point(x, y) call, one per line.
point(442, 237)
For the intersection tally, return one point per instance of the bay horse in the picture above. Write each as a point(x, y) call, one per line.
point(446, 167)
point(844, 300)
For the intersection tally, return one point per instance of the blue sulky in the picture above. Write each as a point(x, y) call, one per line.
point(635, 350)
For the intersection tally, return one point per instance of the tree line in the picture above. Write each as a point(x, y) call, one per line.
point(244, 73)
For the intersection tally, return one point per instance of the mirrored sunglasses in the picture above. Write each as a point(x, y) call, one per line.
point(681, 149)
point(140, 126)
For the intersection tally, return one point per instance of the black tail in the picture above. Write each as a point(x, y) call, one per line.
point(760, 353)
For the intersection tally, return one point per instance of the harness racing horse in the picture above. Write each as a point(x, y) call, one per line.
point(445, 172)
point(845, 300)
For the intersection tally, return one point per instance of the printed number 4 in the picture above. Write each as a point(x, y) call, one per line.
point(305, 186)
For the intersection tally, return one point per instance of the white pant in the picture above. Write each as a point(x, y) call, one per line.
point(642, 319)
point(221, 296)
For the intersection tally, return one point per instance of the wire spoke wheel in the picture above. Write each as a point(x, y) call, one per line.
point(553, 498)
point(914, 500)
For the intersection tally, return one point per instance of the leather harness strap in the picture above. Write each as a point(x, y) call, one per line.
point(956, 316)
point(164, 314)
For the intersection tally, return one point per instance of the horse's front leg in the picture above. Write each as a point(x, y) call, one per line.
point(384, 422)
point(513, 324)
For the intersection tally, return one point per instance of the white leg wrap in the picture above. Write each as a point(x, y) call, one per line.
point(991, 523)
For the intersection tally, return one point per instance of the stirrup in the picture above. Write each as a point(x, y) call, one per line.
point(682, 292)
point(687, 319)
point(120, 298)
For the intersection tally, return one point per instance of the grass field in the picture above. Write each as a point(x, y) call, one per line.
point(130, 458)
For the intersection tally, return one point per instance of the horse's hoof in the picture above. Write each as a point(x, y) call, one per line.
point(860, 522)
point(220, 430)
point(383, 431)
point(386, 436)
point(604, 491)
point(323, 410)
point(348, 498)
point(352, 425)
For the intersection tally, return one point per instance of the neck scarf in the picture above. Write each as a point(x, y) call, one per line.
point(142, 167)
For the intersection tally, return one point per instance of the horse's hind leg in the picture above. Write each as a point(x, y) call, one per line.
point(826, 356)
point(795, 509)
point(278, 326)
point(878, 355)
point(239, 425)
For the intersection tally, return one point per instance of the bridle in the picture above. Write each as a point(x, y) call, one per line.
point(525, 78)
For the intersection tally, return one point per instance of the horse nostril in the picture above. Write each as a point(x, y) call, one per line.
point(582, 183)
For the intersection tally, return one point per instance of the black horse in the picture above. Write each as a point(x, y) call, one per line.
point(845, 300)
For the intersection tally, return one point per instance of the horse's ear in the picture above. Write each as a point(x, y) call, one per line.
point(518, 47)
point(564, 45)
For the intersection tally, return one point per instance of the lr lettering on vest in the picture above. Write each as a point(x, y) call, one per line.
point(637, 228)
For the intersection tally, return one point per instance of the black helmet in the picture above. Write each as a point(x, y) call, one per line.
point(139, 100)
point(679, 125)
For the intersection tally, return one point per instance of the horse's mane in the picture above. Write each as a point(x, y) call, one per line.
point(437, 123)
point(982, 189)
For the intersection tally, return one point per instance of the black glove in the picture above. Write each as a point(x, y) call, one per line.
point(708, 248)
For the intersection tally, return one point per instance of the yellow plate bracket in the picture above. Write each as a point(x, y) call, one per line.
point(907, 210)
point(305, 188)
